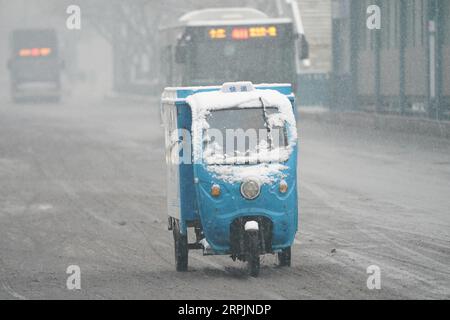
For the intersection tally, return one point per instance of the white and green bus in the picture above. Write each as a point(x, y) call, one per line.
point(213, 46)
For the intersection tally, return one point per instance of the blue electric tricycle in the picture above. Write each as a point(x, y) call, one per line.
point(231, 154)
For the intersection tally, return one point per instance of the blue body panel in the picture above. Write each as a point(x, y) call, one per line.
point(188, 199)
point(217, 214)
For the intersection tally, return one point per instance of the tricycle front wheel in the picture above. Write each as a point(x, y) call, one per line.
point(181, 249)
point(284, 257)
point(253, 253)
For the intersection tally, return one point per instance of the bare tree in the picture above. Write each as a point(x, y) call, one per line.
point(132, 29)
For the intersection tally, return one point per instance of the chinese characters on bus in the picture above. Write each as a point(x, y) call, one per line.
point(243, 33)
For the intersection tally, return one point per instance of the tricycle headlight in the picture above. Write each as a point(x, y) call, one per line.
point(215, 190)
point(283, 186)
point(250, 189)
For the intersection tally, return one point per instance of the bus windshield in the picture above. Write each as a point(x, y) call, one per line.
point(256, 61)
point(222, 54)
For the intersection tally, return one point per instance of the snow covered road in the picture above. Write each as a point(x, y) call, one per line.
point(84, 184)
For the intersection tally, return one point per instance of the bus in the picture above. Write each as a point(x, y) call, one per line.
point(213, 46)
point(34, 66)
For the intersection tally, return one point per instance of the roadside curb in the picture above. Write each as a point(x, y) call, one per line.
point(440, 129)
point(370, 121)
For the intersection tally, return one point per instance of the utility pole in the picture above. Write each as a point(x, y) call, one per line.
point(433, 60)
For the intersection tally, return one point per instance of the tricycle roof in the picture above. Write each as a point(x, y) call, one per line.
point(180, 94)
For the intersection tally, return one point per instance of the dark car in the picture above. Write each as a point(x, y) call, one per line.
point(35, 66)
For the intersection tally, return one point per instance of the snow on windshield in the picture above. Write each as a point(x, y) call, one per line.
point(264, 173)
point(238, 135)
point(261, 162)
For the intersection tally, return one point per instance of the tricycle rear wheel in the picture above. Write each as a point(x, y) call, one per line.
point(284, 257)
point(181, 249)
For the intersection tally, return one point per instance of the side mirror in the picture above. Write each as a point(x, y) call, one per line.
point(181, 53)
point(304, 48)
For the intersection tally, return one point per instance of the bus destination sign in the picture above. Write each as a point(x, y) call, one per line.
point(243, 33)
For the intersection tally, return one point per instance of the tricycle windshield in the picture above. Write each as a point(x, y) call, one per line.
point(244, 135)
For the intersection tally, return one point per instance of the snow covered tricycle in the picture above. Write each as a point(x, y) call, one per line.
point(231, 153)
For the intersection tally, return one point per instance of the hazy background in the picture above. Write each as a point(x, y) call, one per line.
point(87, 55)
point(118, 41)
